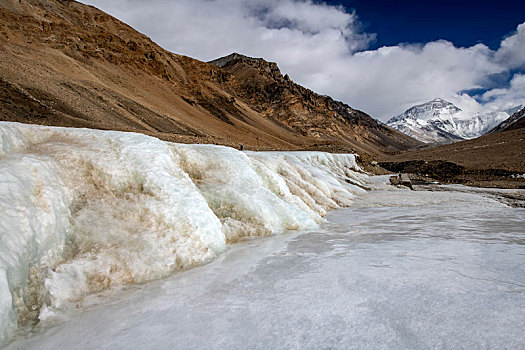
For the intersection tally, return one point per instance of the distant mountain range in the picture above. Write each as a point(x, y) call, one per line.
point(439, 121)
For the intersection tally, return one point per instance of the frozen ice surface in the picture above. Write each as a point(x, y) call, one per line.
point(88, 217)
point(424, 270)
point(86, 211)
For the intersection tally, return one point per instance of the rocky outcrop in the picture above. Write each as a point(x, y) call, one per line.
point(262, 86)
point(267, 68)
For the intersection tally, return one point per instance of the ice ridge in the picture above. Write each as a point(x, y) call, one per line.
point(83, 211)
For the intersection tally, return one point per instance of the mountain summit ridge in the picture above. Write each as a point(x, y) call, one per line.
point(266, 66)
point(440, 121)
point(428, 110)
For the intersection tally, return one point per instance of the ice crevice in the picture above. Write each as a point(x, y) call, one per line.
point(83, 211)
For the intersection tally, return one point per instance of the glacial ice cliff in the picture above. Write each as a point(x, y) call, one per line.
point(83, 211)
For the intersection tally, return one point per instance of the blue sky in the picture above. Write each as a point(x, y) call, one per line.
point(381, 57)
point(463, 22)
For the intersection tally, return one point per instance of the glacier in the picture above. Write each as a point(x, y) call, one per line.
point(83, 211)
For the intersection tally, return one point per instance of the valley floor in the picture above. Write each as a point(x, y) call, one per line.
point(496, 160)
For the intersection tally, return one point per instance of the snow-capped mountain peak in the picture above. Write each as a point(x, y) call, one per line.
point(441, 121)
point(432, 109)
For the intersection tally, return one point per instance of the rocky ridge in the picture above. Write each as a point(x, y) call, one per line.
point(515, 121)
point(261, 84)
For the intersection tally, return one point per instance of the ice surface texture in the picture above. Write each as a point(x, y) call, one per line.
point(82, 211)
point(399, 269)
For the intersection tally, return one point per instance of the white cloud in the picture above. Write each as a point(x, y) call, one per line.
point(496, 100)
point(512, 50)
point(391, 79)
point(319, 47)
point(506, 97)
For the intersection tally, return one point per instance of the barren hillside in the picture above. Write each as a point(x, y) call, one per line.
point(68, 64)
point(493, 160)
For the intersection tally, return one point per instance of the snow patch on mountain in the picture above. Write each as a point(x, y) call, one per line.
point(439, 121)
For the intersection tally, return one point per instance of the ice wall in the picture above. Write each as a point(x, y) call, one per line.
point(82, 211)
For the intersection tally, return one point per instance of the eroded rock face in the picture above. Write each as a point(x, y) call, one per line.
point(261, 84)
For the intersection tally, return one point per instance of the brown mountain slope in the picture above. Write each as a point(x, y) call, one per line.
point(64, 63)
point(494, 160)
point(276, 97)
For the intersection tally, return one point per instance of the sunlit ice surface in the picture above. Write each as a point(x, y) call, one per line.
point(398, 269)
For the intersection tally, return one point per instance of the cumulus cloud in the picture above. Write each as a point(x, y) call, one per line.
point(324, 48)
point(507, 97)
point(391, 79)
point(512, 50)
